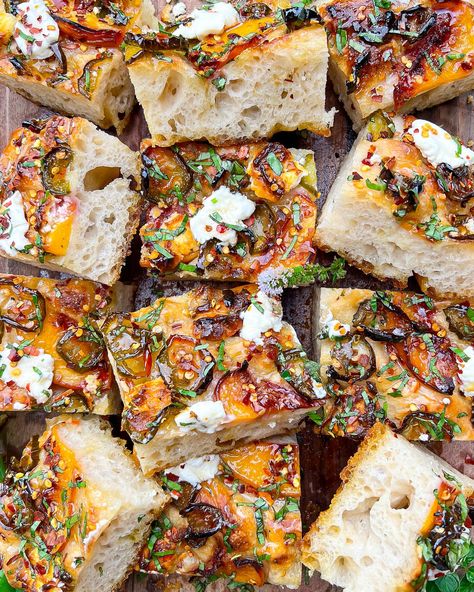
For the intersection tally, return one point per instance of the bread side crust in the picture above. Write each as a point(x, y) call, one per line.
point(105, 106)
point(174, 447)
point(365, 232)
point(87, 143)
point(378, 437)
point(214, 115)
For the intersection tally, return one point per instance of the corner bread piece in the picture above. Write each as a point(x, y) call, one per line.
point(75, 510)
point(207, 371)
point(66, 55)
point(235, 516)
point(228, 213)
point(399, 56)
point(51, 356)
point(401, 205)
point(67, 201)
point(226, 73)
point(400, 358)
point(399, 519)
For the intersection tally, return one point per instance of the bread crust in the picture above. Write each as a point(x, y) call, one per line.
point(231, 367)
point(378, 455)
point(251, 105)
point(87, 75)
point(60, 306)
point(94, 463)
point(87, 227)
point(284, 206)
point(387, 246)
point(271, 464)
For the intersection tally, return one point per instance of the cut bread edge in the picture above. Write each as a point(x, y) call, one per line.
point(165, 91)
point(332, 525)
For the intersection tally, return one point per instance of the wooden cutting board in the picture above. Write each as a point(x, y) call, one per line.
point(322, 458)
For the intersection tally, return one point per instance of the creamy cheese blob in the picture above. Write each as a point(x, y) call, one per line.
point(197, 470)
point(178, 9)
point(36, 31)
point(214, 21)
point(263, 314)
point(32, 372)
point(13, 233)
point(438, 146)
point(466, 372)
point(334, 328)
point(219, 210)
point(204, 416)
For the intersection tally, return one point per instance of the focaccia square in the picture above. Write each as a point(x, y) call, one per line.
point(227, 213)
point(234, 516)
point(208, 370)
point(66, 55)
point(398, 56)
point(51, 355)
point(67, 198)
point(231, 71)
point(400, 358)
point(401, 205)
point(399, 520)
point(75, 509)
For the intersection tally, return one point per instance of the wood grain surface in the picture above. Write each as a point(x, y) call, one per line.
point(322, 458)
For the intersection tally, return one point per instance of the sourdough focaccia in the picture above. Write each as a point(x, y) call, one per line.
point(66, 55)
point(401, 205)
point(51, 354)
point(234, 516)
point(67, 198)
point(399, 520)
point(400, 358)
point(207, 370)
point(399, 55)
point(231, 71)
point(227, 213)
point(75, 510)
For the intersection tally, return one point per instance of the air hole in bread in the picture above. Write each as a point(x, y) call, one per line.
point(366, 561)
point(251, 112)
point(172, 91)
point(400, 499)
point(100, 177)
point(345, 566)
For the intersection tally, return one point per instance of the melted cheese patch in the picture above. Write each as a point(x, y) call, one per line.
point(466, 373)
point(204, 416)
point(221, 214)
point(197, 470)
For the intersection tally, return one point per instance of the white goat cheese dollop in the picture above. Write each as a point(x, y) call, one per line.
point(438, 146)
point(13, 232)
point(204, 416)
point(263, 314)
point(36, 31)
point(220, 209)
point(32, 372)
point(214, 21)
